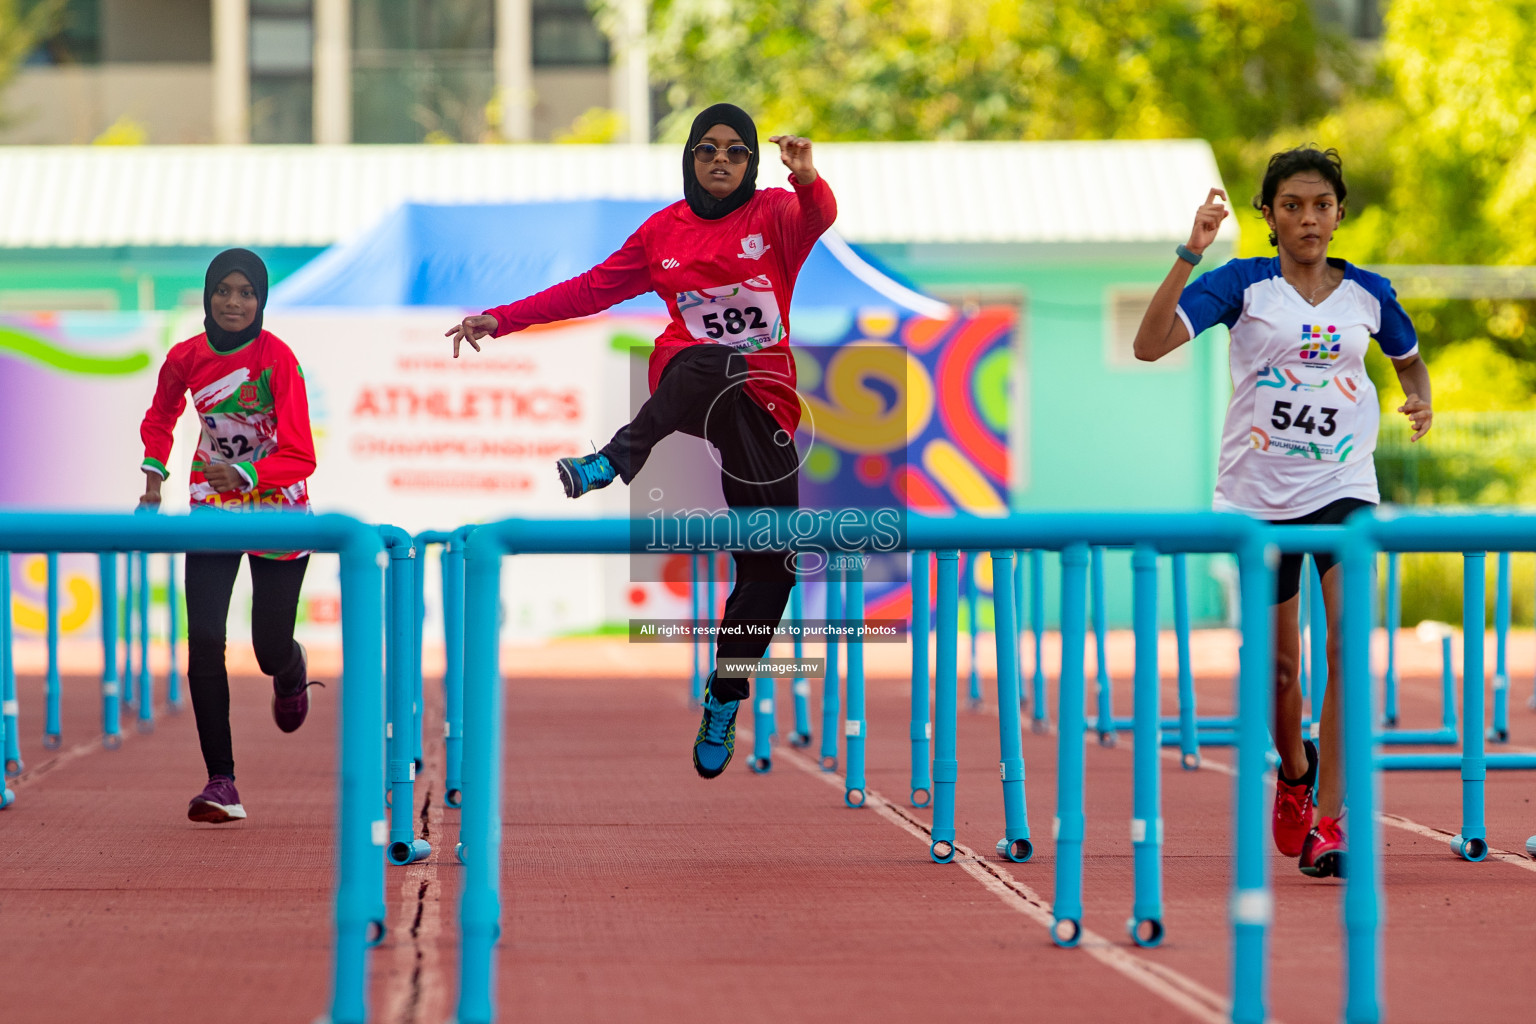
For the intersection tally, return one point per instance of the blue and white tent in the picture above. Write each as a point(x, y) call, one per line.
point(472, 256)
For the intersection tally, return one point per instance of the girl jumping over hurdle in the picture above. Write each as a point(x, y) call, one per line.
point(1300, 430)
point(724, 259)
point(255, 452)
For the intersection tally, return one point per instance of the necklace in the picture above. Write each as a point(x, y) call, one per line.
point(1311, 297)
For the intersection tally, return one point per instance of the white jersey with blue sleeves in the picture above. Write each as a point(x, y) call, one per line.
point(1303, 419)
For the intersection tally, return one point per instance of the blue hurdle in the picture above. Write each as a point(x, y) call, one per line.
point(111, 728)
point(801, 687)
point(854, 722)
point(763, 724)
point(360, 829)
point(1393, 616)
point(1204, 532)
point(1499, 731)
point(1039, 716)
point(972, 626)
point(173, 698)
point(451, 567)
point(401, 662)
point(146, 679)
point(920, 727)
point(8, 707)
point(1419, 532)
point(130, 609)
point(53, 727)
point(831, 697)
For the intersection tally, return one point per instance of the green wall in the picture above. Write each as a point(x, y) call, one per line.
point(1095, 433)
point(129, 277)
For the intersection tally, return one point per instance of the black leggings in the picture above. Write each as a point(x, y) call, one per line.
point(274, 607)
point(702, 392)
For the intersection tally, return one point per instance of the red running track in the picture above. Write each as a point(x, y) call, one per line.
point(635, 891)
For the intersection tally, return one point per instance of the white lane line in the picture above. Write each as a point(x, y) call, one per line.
point(38, 772)
point(1395, 820)
point(1185, 993)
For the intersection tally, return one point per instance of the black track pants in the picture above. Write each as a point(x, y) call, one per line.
point(701, 392)
point(210, 579)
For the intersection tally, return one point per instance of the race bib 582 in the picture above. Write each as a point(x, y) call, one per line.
point(743, 316)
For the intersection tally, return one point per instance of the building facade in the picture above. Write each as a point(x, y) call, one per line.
point(332, 71)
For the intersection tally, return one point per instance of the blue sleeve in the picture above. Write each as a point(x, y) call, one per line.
point(1215, 297)
point(1395, 335)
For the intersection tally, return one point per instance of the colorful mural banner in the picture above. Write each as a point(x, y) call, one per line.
point(898, 412)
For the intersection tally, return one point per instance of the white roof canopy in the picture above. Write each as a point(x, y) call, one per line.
point(908, 192)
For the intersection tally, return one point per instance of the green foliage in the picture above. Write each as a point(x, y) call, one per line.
point(23, 25)
point(998, 69)
point(1441, 164)
point(1432, 588)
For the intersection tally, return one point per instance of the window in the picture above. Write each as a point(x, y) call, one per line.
point(78, 39)
point(565, 34)
point(282, 54)
point(422, 70)
point(1124, 306)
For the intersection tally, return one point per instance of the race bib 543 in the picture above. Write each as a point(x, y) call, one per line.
point(1315, 415)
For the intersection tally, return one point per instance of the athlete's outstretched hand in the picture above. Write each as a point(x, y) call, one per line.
point(795, 151)
point(471, 329)
point(1207, 220)
point(1419, 414)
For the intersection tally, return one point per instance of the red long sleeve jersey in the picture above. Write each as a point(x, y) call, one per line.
point(726, 282)
point(255, 416)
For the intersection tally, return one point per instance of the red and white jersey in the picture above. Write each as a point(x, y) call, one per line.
point(725, 282)
point(254, 413)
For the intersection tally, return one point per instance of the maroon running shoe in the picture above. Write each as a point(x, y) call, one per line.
point(217, 803)
point(1322, 856)
point(290, 709)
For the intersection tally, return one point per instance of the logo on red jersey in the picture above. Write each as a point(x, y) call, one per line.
point(753, 247)
point(248, 393)
point(670, 264)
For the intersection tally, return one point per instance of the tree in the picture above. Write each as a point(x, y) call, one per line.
point(22, 26)
point(1000, 69)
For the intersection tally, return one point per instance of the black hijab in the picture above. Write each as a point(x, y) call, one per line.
point(255, 271)
point(699, 199)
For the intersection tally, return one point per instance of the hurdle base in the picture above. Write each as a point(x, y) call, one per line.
point(1019, 850)
point(1474, 850)
point(403, 852)
point(1146, 932)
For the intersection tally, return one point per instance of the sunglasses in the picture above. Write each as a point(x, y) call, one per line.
point(705, 152)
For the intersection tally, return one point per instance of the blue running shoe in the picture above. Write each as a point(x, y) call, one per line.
point(587, 473)
point(716, 742)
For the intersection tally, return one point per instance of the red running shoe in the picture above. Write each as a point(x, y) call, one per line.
point(1292, 818)
point(1322, 855)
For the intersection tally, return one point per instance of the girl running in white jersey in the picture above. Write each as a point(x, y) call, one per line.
point(1300, 430)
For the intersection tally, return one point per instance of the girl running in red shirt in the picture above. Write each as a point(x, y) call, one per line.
point(255, 452)
point(724, 259)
